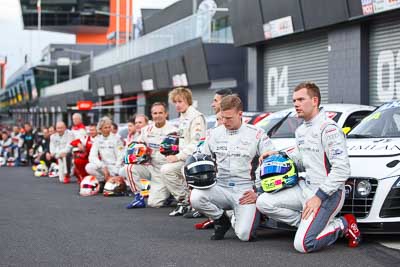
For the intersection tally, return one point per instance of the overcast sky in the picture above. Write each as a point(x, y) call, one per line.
point(16, 43)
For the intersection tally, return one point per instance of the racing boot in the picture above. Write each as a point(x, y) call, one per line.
point(221, 226)
point(67, 179)
point(352, 233)
point(180, 210)
point(137, 202)
point(207, 224)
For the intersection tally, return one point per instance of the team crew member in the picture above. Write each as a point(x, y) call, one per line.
point(234, 146)
point(151, 135)
point(313, 204)
point(132, 134)
point(5, 144)
point(28, 140)
point(105, 157)
point(217, 110)
point(141, 121)
point(216, 104)
point(60, 150)
point(78, 128)
point(192, 127)
point(81, 148)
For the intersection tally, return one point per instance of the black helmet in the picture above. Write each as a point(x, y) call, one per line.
point(200, 171)
point(170, 144)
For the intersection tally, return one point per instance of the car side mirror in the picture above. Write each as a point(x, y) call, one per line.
point(346, 130)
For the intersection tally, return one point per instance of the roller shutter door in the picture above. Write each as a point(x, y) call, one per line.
point(288, 64)
point(384, 61)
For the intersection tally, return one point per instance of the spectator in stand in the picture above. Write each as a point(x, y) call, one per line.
point(105, 157)
point(81, 148)
point(78, 128)
point(60, 149)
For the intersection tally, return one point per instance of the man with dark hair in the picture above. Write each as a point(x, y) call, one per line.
point(314, 202)
point(234, 146)
point(218, 97)
point(132, 134)
point(29, 138)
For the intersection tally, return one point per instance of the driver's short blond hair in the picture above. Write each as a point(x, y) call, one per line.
point(183, 92)
point(231, 102)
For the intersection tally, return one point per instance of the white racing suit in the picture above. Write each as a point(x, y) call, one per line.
point(234, 152)
point(192, 127)
point(106, 152)
point(321, 151)
point(60, 144)
point(152, 136)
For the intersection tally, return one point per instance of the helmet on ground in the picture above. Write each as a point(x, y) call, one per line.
point(170, 144)
point(115, 186)
point(53, 170)
point(144, 187)
point(89, 186)
point(277, 172)
point(10, 162)
point(200, 171)
point(41, 170)
point(137, 153)
point(2, 161)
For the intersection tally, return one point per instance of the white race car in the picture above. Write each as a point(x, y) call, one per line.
point(281, 126)
point(373, 190)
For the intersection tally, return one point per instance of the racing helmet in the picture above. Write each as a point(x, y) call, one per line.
point(137, 153)
point(53, 170)
point(10, 162)
point(115, 186)
point(3, 161)
point(144, 187)
point(170, 144)
point(277, 172)
point(89, 186)
point(41, 170)
point(200, 171)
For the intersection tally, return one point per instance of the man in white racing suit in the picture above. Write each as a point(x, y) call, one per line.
point(192, 127)
point(313, 204)
point(234, 146)
point(105, 158)
point(60, 150)
point(152, 136)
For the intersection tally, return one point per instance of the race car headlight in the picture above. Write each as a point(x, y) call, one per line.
point(396, 184)
point(364, 188)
